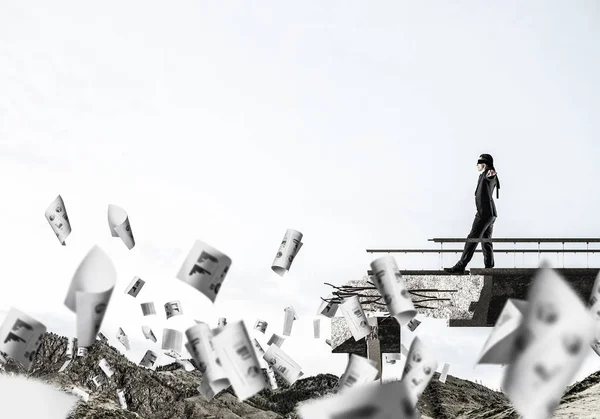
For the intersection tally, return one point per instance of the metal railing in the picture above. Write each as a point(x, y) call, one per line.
point(514, 251)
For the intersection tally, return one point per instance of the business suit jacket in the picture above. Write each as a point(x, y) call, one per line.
point(484, 195)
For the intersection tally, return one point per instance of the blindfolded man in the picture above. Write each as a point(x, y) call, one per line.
point(485, 216)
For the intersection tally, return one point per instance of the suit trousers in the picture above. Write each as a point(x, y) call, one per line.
point(482, 229)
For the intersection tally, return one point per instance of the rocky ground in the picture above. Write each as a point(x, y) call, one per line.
point(171, 392)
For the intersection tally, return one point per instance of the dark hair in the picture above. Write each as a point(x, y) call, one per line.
point(489, 160)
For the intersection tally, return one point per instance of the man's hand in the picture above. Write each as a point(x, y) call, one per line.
point(491, 173)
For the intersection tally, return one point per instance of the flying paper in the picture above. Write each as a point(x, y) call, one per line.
point(498, 347)
point(290, 316)
point(444, 373)
point(234, 350)
point(202, 350)
point(392, 358)
point(65, 365)
point(259, 349)
point(148, 334)
point(148, 359)
point(260, 353)
point(205, 269)
point(173, 308)
point(118, 222)
point(89, 294)
point(317, 328)
point(102, 337)
point(359, 371)
point(549, 347)
point(122, 337)
point(183, 362)
point(56, 214)
point(172, 339)
point(271, 377)
point(21, 337)
point(122, 401)
point(70, 347)
point(328, 309)
point(261, 325)
point(288, 250)
point(106, 368)
point(135, 286)
point(148, 308)
point(98, 380)
point(173, 354)
point(413, 324)
point(419, 367)
point(355, 318)
point(276, 340)
point(282, 364)
point(391, 286)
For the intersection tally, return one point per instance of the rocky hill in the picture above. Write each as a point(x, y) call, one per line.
point(167, 393)
point(581, 399)
point(463, 399)
point(171, 392)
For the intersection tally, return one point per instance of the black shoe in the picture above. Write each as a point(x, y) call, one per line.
point(455, 269)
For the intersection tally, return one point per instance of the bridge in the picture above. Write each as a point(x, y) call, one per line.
point(474, 298)
point(480, 294)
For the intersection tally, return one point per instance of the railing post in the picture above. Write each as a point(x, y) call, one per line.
point(374, 347)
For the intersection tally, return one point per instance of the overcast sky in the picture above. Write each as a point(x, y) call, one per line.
point(357, 123)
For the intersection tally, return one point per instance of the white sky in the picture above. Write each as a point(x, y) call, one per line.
point(357, 123)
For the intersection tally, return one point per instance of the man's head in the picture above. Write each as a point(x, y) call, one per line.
point(486, 161)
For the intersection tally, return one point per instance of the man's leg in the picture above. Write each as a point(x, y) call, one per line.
point(479, 226)
point(477, 229)
point(488, 248)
